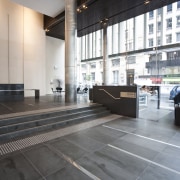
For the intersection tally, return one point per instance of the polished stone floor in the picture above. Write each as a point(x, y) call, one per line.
point(114, 147)
point(44, 102)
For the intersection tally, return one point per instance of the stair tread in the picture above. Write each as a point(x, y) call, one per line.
point(53, 117)
point(43, 124)
point(26, 128)
point(51, 123)
point(25, 118)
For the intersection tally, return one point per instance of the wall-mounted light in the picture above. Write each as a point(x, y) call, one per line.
point(46, 30)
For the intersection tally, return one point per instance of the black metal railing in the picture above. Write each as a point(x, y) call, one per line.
point(161, 64)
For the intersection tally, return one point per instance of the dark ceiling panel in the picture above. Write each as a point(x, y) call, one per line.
point(55, 27)
point(116, 11)
point(57, 31)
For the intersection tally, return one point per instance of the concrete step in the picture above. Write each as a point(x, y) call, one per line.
point(26, 118)
point(43, 120)
point(50, 121)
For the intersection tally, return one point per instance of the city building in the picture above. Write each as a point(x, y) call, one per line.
point(141, 50)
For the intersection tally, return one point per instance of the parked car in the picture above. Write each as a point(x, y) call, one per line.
point(175, 90)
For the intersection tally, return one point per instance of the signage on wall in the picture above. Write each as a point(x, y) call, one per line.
point(128, 94)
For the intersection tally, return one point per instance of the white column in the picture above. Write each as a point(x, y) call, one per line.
point(70, 51)
point(105, 57)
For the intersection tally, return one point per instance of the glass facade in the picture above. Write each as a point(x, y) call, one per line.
point(142, 49)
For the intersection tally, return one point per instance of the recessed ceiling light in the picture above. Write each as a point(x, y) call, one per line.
point(147, 2)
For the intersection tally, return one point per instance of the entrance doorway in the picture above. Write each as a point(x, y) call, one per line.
point(154, 102)
point(130, 77)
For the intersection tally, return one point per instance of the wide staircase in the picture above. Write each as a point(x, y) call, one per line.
point(28, 125)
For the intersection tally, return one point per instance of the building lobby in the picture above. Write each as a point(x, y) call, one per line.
point(46, 134)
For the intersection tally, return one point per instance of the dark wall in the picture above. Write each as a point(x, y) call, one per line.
point(110, 96)
point(11, 92)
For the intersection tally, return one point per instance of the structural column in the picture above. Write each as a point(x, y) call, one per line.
point(70, 51)
point(105, 57)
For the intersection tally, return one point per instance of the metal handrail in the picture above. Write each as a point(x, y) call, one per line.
point(108, 93)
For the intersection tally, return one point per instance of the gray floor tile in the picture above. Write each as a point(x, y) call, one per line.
point(154, 114)
point(88, 147)
point(174, 151)
point(104, 170)
point(17, 168)
point(69, 149)
point(169, 160)
point(125, 161)
point(122, 121)
point(122, 125)
point(157, 173)
point(68, 173)
point(143, 142)
point(157, 133)
point(175, 139)
point(140, 150)
point(111, 133)
point(102, 134)
point(89, 144)
point(112, 164)
point(45, 160)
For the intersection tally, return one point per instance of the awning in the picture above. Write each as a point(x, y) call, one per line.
point(172, 79)
point(156, 80)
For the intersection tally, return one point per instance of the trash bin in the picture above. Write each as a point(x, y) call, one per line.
point(177, 109)
point(37, 93)
point(90, 94)
point(177, 116)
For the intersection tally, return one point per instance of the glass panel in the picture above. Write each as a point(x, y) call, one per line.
point(178, 37)
point(151, 14)
point(151, 43)
point(110, 47)
point(158, 41)
point(129, 34)
point(115, 77)
point(169, 23)
point(93, 76)
point(151, 28)
point(94, 44)
point(169, 38)
point(116, 62)
point(115, 38)
point(178, 5)
point(178, 21)
point(143, 50)
point(90, 46)
point(159, 26)
point(159, 11)
point(93, 65)
point(86, 47)
point(139, 31)
point(169, 8)
point(98, 43)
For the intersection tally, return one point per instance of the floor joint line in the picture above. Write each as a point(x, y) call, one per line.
point(155, 140)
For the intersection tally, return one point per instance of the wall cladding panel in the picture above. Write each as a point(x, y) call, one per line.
point(22, 47)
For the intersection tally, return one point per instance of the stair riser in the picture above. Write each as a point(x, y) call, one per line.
point(35, 130)
point(10, 121)
point(41, 122)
